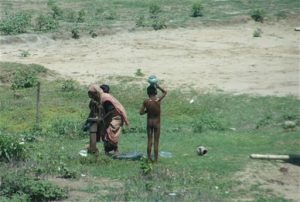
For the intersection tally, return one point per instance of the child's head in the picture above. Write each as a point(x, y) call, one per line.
point(105, 88)
point(151, 90)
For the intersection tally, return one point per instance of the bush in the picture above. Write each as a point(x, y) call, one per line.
point(24, 54)
point(69, 85)
point(210, 122)
point(146, 166)
point(257, 33)
point(11, 148)
point(36, 190)
point(139, 73)
point(15, 23)
point(197, 10)
point(258, 15)
point(93, 34)
point(159, 24)
point(110, 15)
point(140, 21)
point(67, 127)
point(46, 23)
point(154, 9)
point(24, 79)
point(75, 33)
point(81, 16)
point(57, 13)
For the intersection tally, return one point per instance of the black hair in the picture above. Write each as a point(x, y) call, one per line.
point(151, 90)
point(105, 88)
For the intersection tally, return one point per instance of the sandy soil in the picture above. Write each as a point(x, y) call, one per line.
point(280, 177)
point(215, 57)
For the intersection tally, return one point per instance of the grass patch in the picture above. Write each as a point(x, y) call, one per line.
point(62, 16)
point(230, 126)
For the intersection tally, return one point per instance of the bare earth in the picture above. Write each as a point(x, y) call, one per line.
point(226, 58)
point(280, 177)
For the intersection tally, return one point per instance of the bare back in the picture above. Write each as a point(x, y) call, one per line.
point(152, 107)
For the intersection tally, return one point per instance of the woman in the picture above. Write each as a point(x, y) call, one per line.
point(114, 118)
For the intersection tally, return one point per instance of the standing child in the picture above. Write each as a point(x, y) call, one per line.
point(151, 106)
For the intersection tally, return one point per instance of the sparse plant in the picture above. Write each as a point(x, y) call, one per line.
point(15, 23)
point(93, 34)
point(69, 85)
point(46, 23)
point(11, 148)
point(57, 12)
point(110, 15)
point(24, 53)
point(24, 79)
point(154, 10)
point(139, 73)
point(67, 127)
point(66, 172)
point(258, 15)
point(75, 33)
point(257, 32)
point(35, 189)
point(81, 16)
point(146, 166)
point(210, 122)
point(197, 10)
point(140, 21)
point(158, 24)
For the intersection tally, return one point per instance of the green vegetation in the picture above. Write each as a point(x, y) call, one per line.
point(197, 10)
point(230, 126)
point(62, 16)
point(257, 32)
point(20, 185)
point(258, 15)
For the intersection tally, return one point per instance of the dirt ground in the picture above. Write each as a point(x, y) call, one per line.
point(280, 177)
point(215, 57)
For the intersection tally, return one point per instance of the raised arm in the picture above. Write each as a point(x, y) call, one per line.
point(163, 91)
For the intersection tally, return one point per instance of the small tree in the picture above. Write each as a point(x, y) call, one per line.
point(197, 10)
point(258, 15)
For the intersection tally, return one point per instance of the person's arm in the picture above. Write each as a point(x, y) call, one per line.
point(163, 91)
point(143, 109)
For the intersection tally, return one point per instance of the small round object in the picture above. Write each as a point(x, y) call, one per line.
point(152, 80)
point(201, 150)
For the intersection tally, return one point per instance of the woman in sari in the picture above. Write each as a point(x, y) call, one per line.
point(114, 117)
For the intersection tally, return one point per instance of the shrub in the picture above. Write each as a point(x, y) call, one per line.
point(36, 190)
point(139, 73)
point(57, 13)
point(140, 21)
point(75, 33)
point(257, 32)
point(159, 24)
point(16, 23)
point(81, 16)
point(67, 127)
point(11, 148)
point(210, 122)
point(93, 34)
point(24, 79)
point(66, 172)
point(197, 10)
point(154, 9)
point(46, 23)
point(110, 15)
point(257, 15)
point(24, 54)
point(146, 166)
point(69, 85)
